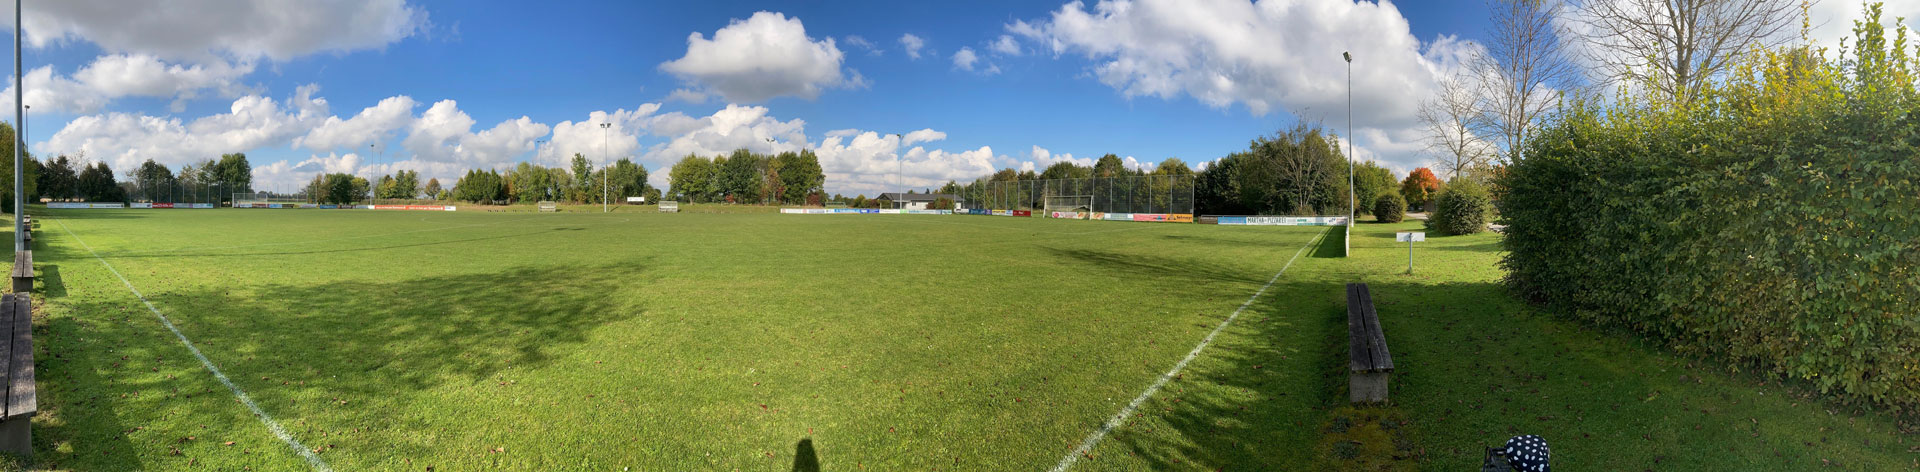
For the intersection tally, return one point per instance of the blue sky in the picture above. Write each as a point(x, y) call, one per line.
point(368, 86)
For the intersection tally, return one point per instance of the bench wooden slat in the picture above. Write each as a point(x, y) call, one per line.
point(1366, 341)
point(7, 309)
point(22, 399)
point(1360, 359)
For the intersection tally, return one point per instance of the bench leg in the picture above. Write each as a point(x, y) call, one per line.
point(22, 284)
point(1368, 387)
point(16, 437)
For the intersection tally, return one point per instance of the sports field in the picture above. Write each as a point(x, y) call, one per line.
point(586, 341)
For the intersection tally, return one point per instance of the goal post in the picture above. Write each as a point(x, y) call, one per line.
point(1079, 207)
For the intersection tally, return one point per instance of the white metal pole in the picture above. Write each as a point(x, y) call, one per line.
point(604, 127)
point(19, 174)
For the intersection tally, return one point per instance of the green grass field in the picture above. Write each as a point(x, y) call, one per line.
point(464, 340)
point(697, 341)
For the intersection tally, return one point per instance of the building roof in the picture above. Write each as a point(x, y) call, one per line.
point(919, 197)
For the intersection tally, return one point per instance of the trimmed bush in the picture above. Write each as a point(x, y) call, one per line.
point(1390, 208)
point(1771, 223)
point(1461, 208)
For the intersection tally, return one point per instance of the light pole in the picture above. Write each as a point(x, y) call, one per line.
point(1351, 196)
point(536, 158)
point(19, 174)
point(898, 166)
point(604, 129)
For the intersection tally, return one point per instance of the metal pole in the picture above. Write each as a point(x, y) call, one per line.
point(19, 174)
point(1409, 253)
point(604, 127)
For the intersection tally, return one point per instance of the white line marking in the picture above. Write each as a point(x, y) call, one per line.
point(1094, 439)
point(272, 425)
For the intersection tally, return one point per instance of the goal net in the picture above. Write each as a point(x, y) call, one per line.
point(1079, 207)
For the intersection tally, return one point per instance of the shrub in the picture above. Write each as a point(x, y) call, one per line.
point(942, 203)
point(1644, 216)
point(1390, 208)
point(1461, 208)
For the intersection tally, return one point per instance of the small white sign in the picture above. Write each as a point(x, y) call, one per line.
point(1410, 237)
point(636, 199)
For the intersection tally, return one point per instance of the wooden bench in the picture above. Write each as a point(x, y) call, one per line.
point(23, 271)
point(1371, 364)
point(548, 207)
point(16, 361)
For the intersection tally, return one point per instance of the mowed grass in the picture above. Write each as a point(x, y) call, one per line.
point(576, 341)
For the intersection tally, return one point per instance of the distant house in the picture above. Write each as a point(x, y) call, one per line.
point(919, 201)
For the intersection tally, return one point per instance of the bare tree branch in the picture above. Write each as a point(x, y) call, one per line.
point(1525, 65)
point(1675, 46)
point(1450, 120)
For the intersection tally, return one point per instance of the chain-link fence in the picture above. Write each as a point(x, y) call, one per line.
point(1161, 194)
point(176, 191)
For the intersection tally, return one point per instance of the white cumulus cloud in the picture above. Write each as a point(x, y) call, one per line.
point(203, 29)
point(765, 56)
point(912, 44)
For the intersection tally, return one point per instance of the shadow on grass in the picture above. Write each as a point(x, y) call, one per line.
point(1154, 267)
point(1252, 405)
point(1333, 244)
point(334, 356)
point(804, 458)
point(361, 248)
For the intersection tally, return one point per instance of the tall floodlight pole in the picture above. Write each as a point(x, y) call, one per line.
point(1351, 195)
point(19, 179)
point(897, 167)
point(604, 129)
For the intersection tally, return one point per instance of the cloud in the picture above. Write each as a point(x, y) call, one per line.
point(863, 43)
point(968, 60)
point(244, 29)
point(621, 138)
point(1265, 56)
point(123, 140)
point(765, 56)
point(912, 44)
point(372, 124)
point(1005, 44)
point(115, 76)
point(445, 134)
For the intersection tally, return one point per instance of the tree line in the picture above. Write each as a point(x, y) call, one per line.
point(793, 178)
point(581, 182)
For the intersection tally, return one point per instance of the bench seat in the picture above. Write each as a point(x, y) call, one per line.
point(22, 271)
point(16, 362)
point(1371, 364)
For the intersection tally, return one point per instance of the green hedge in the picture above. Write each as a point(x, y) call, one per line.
point(1390, 208)
point(1772, 222)
point(1461, 207)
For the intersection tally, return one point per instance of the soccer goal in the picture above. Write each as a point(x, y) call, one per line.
point(1078, 207)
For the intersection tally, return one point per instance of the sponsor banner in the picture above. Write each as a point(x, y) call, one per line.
point(891, 211)
point(1149, 217)
point(1002, 213)
point(1118, 217)
point(792, 211)
point(1065, 214)
point(85, 205)
point(329, 207)
point(309, 205)
point(1022, 213)
point(1180, 218)
point(846, 210)
point(163, 205)
point(929, 212)
point(140, 205)
point(1284, 220)
point(199, 205)
point(819, 211)
point(980, 211)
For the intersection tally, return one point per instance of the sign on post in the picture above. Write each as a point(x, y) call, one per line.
point(1410, 238)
